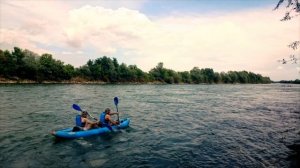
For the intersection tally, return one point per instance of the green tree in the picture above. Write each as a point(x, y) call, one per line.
point(208, 75)
point(243, 77)
point(18, 56)
point(185, 77)
point(7, 64)
point(69, 72)
point(30, 65)
point(173, 76)
point(108, 70)
point(95, 70)
point(50, 69)
point(233, 76)
point(84, 72)
point(159, 73)
point(196, 75)
point(124, 73)
point(217, 78)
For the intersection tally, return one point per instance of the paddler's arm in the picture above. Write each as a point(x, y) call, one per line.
point(89, 121)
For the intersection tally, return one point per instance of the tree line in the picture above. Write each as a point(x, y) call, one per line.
point(297, 81)
point(20, 64)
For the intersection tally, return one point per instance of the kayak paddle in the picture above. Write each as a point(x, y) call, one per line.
point(76, 107)
point(116, 101)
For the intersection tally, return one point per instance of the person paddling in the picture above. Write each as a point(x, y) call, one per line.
point(105, 117)
point(86, 123)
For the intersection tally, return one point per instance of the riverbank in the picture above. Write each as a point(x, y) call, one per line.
point(78, 80)
point(72, 81)
point(10, 81)
point(26, 81)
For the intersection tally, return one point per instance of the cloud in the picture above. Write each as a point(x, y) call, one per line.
point(72, 53)
point(11, 38)
point(279, 67)
point(241, 40)
point(106, 29)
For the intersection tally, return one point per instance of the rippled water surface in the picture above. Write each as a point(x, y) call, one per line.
point(171, 125)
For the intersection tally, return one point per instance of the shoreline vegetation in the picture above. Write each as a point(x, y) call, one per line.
point(297, 81)
point(84, 81)
point(25, 66)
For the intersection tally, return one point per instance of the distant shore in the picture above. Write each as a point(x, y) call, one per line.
point(72, 81)
point(99, 82)
point(24, 66)
point(21, 81)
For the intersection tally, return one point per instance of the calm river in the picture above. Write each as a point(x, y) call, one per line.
point(171, 125)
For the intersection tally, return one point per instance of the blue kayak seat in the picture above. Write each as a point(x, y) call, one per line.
point(78, 124)
point(78, 121)
point(102, 118)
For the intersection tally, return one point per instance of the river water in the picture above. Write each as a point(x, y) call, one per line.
point(171, 125)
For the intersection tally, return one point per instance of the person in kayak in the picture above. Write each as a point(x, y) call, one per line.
point(86, 123)
point(105, 117)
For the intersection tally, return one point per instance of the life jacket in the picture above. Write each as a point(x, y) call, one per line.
point(78, 121)
point(104, 121)
point(102, 118)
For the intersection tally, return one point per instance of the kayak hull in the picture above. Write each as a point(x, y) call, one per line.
point(69, 134)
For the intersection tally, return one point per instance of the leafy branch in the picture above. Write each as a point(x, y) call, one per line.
point(293, 10)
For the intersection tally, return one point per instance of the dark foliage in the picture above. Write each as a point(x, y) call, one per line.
point(26, 65)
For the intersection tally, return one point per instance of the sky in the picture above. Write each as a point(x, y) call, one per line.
point(231, 35)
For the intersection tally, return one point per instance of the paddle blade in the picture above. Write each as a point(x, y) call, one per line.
point(116, 100)
point(76, 107)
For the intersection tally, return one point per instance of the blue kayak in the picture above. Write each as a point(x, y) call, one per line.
point(70, 134)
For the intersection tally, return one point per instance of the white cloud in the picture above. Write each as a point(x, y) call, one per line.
point(106, 29)
point(72, 53)
point(12, 38)
point(279, 67)
point(241, 40)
